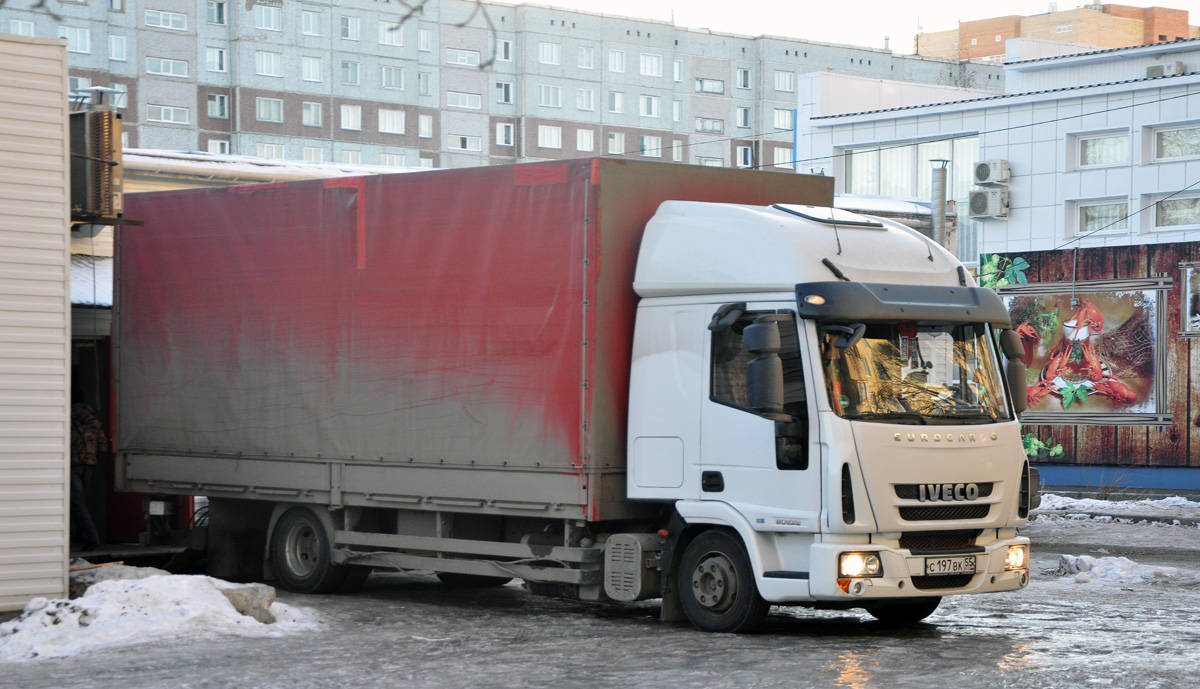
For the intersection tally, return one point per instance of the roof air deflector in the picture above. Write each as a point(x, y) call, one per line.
point(829, 216)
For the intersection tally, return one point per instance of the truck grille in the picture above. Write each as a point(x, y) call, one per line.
point(954, 581)
point(912, 491)
point(938, 540)
point(944, 513)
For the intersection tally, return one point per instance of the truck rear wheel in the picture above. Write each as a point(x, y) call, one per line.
point(302, 554)
point(716, 585)
point(910, 612)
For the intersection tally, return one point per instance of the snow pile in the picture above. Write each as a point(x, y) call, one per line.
point(1113, 570)
point(132, 605)
point(1177, 507)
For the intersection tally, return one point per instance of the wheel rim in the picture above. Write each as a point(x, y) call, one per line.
point(302, 550)
point(714, 582)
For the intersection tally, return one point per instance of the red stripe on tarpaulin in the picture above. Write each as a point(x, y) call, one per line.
point(360, 205)
point(253, 306)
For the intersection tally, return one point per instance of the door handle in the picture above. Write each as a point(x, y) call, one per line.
point(712, 482)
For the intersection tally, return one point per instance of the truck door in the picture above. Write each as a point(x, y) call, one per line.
point(764, 464)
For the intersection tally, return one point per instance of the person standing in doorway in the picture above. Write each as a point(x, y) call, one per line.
point(87, 441)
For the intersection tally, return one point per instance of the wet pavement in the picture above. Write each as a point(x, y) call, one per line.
point(408, 631)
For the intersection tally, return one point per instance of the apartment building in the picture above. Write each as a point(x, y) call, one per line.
point(350, 82)
point(1094, 25)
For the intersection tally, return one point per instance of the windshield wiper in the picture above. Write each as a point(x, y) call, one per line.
point(890, 415)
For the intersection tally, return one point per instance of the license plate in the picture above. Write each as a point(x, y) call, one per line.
point(944, 566)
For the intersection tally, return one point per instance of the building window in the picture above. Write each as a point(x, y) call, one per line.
point(426, 163)
point(650, 146)
point(616, 60)
point(351, 157)
point(745, 156)
point(585, 99)
point(78, 40)
point(1181, 142)
point(391, 77)
point(116, 48)
point(504, 50)
point(423, 83)
point(314, 154)
point(710, 86)
point(549, 137)
point(743, 117)
point(166, 113)
point(548, 53)
point(310, 68)
point(76, 86)
point(120, 99)
point(165, 67)
point(424, 40)
point(677, 150)
point(651, 65)
point(391, 160)
point(352, 117)
point(783, 119)
point(456, 99)
point(783, 158)
point(391, 121)
point(616, 101)
point(784, 81)
point(20, 27)
point(998, 38)
point(459, 142)
point(504, 134)
point(616, 143)
point(708, 125)
point(710, 162)
point(310, 114)
point(268, 109)
point(310, 23)
point(1097, 217)
point(585, 140)
point(504, 93)
point(350, 28)
point(425, 126)
point(678, 70)
point(586, 57)
point(1176, 212)
point(167, 20)
point(455, 56)
point(1105, 149)
point(268, 18)
point(268, 64)
point(677, 111)
point(1065, 28)
point(549, 96)
point(390, 33)
point(218, 106)
point(350, 73)
point(218, 146)
point(743, 78)
point(974, 41)
point(215, 13)
point(648, 106)
point(214, 60)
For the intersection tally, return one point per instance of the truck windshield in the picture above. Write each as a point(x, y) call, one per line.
point(910, 374)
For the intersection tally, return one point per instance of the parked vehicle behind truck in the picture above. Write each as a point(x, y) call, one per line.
point(612, 380)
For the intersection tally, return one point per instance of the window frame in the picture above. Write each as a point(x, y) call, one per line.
point(261, 66)
point(504, 92)
point(221, 100)
point(308, 108)
point(220, 9)
point(1158, 131)
point(549, 96)
point(549, 53)
point(650, 146)
point(389, 118)
point(161, 14)
point(164, 62)
point(350, 114)
point(505, 134)
point(163, 109)
point(466, 140)
point(309, 60)
point(1079, 207)
point(549, 136)
point(268, 105)
point(1080, 139)
point(350, 27)
point(584, 133)
point(393, 31)
point(268, 17)
point(310, 23)
point(468, 98)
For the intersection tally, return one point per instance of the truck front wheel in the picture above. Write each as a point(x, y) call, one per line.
point(302, 555)
point(716, 585)
point(909, 612)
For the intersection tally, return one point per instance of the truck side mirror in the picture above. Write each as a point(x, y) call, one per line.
point(764, 373)
point(1010, 344)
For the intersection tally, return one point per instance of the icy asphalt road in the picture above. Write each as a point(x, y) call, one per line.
point(406, 631)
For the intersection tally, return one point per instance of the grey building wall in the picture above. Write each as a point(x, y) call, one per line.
point(424, 57)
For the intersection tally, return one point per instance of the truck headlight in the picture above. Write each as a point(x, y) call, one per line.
point(853, 565)
point(1017, 558)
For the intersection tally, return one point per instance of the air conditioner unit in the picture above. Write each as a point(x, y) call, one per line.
point(1165, 69)
point(991, 172)
point(989, 203)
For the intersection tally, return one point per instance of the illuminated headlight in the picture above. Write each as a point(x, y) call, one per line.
point(859, 565)
point(1018, 557)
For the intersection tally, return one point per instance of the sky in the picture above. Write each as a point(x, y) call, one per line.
point(852, 22)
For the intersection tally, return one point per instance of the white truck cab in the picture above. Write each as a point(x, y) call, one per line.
point(821, 397)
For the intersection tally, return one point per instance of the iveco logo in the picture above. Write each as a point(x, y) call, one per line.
point(940, 437)
point(938, 492)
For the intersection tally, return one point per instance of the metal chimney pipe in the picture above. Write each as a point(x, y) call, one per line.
point(937, 209)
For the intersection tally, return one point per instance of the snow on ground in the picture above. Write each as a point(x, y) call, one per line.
point(1085, 569)
point(131, 605)
point(1177, 507)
